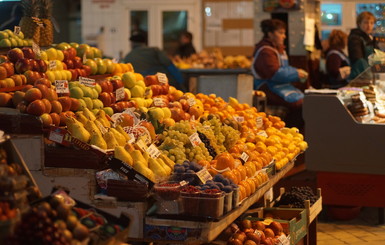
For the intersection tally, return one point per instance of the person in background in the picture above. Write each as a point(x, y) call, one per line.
point(186, 48)
point(361, 43)
point(151, 60)
point(273, 74)
point(337, 63)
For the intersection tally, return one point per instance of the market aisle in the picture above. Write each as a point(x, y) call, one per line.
point(362, 230)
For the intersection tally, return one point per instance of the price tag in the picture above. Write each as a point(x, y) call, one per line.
point(87, 81)
point(115, 60)
point(244, 156)
point(147, 92)
point(192, 119)
point(36, 49)
point(263, 133)
point(239, 119)
point(162, 78)
point(204, 175)
point(103, 129)
point(194, 139)
point(120, 94)
point(159, 102)
point(153, 151)
point(61, 86)
point(52, 65)
point(140, 143)
point(183, 183)
point(259, 122)
point(132, 138)
point(56, 137)
point(17, 30)
point(283, 240)
point(84, 59)
point(191, 101)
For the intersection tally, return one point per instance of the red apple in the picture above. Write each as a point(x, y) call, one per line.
point(15, 54)
point(23, 65)
point(65, 103)
point(44, 90)
point(70, 64)
point(36, 108)
point(28, 52)
point(75, 74)
point(113, 97)
point(106, 86)
point(117, 108)
point(75, 104)
point(132, 104)
point(3, 73)
point(165, 88)
point(42, 66)
point(27, 87)
point(116, 83)
point(105, 98)
point(78, 62)
point(87, 69)
point(52, 95)
point(31, 76)
point(156, 89)
point(33, 94)
point(66, 55)
point(56, 107)
point(71, 53)
point(35, 65)
point(151, 80)
point(43, 81)
point(55, 119)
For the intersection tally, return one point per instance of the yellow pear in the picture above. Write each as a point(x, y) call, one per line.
point(156, 168)
point(110, 140)
point(129, 147)
point(81, 118)
point(164, 165)
point(121, 130)
point(138, 157)
point(77, 129)
point(145, 171)
point(97, 139)
point(89, 114)
point(167, 160)
point(101, 117)
point(91, 127)
point(121, 154)
point(119, 137)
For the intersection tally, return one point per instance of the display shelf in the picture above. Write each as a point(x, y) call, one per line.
point(210, 230)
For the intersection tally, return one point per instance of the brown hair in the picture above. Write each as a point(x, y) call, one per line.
point(337, 39)
point(364, 16)
point(271, 25)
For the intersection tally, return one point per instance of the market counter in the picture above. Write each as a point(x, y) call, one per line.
point(225, 83)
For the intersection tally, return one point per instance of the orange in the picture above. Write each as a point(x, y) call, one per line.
point(224, 160)
point(252, 185)
point(243, 171)
point(260, 147)
point(252, 167)
point(237, 174)
point(242, 192)
point(256, 182)
point(247, 187)
point(249, 170)
point(138, 76)
point(230, 175)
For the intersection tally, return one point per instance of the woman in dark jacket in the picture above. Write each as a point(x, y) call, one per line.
point(186, 48)
point(361, 44)
point(272, 71)
point(337, 63)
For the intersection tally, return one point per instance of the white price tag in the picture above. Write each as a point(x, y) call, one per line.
point(204, 175)
point(159, 102)
point(17, 30)
point(191, 101)
point(140, 143)
point(195, 140)
point(103, 129)
point(120, 93)
point(132, 138)
point(87, 81)
point(153, 151)
point(192, 119)
point(52, 65)
point(244, 156)
point(263, 133)
point(61, 86)
point(55, 137)
point(269, 194)
point(84, 59)
point(239, 119)
point(283, 240)
point(36, 49)
point(259, 122)
point(162, 78)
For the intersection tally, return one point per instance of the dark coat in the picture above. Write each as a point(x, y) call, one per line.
point(186, 50)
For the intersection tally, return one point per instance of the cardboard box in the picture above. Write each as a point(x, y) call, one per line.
point(12, 121)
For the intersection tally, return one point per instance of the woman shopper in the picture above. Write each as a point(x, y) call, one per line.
point(274, 75)
point(361, 43)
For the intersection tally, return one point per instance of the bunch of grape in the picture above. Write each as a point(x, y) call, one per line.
point(187, 172)
point(231, 136)
point(174, 149)
point(296, 197)
point(219, 182)
point(208, 145)
point(209, 133)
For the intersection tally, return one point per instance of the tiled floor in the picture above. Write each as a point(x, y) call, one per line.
point(362, 230)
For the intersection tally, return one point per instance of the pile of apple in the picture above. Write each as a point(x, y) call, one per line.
point(10, 39)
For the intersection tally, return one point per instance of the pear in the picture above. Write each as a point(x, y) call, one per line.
point(164, 165)
point(91, 127)
point(145, 171)
point(97, 139)
point(100, 126)
point(129, 147)
point(146, 155)
point(89, 114)
point(138, 157)
point(156, 168)
point(81, 118)
point(167, 160)
point(119, 137)
point(110, 140)
point(121, 130)
point(121, 154)
point(77, 129)
point(101, 117)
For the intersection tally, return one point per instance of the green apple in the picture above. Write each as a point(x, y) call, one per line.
point(81, 49)
point(129, 79)
point(102, 68)
point(5, 43)
point(94, 67)
point(88, 102)
point(3, 35)
point(51, 53)
point(76, 92)
point(137, 91)
point(108, 110)
point(110, 65)
point(97, 104)
point(95, 93)
point(98, 88)
point(73, 84)
point(82, 104)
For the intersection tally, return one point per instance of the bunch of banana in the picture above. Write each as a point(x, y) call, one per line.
point(155, 169)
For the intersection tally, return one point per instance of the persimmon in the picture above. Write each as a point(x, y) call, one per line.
point(224, 160)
